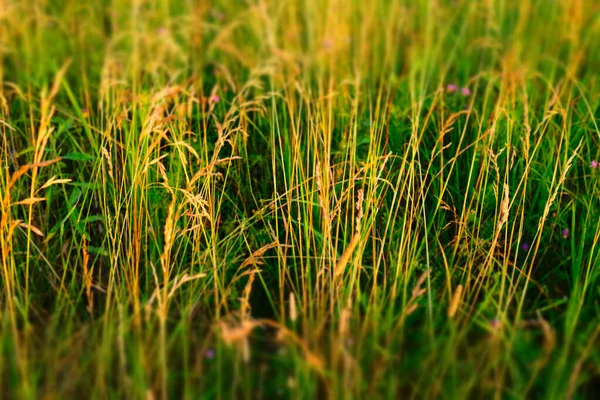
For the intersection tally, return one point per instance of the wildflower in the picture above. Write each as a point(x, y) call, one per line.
point(162, 30)
point(565, 233)
point(466, 91)
point(215, 99)
point(209, 354)
point(525, 246)
point(495, 323)
point(451, 87)
point(594, 164)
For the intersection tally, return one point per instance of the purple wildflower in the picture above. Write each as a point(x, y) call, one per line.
point(594, 164)
point(209, 354)
point(451, 87)
point(215, 99)
point(565, 233)
point(525, 246)
point(466, 91)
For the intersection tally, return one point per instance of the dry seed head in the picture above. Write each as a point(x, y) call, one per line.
point(169, 224)
point(280, 336)
point(313, 360)
point(422, 278)
point(340, 267)
point(504, 206)
point(318, 176)
point(549, 336)
point(33, 229)
point(455, 301)
point(245, 350)
point(87, 274)
point(410, 309)
point(30, 201)
point(54, 181)
point(418, 292)
point(107, 156)
point(563, 177)
point(245, 300)
point(180, 281)
point(253, 259)
point(344, 322)
point(21, 171)
point(293, 311)
point(359, 208)
point(234, 332)
point(321, 193)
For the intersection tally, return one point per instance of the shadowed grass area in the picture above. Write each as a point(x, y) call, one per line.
point(299, 199)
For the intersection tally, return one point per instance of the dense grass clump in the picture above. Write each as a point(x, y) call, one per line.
point(299, 199)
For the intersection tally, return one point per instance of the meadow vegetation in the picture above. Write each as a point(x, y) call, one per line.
point(299, 199)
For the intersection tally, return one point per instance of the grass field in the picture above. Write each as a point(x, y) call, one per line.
point(300, 199)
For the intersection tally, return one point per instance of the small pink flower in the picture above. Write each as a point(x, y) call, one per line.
point(209, 354)
point(525, 246)
point(451, 87)
point(565, 233)
point(466, 91)
point(594, 164)
point(215, 99)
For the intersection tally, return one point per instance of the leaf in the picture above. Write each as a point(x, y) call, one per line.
point(74, 197)
point(92, 218)
point(97, 250)
point(76, 156)
point(86, 185)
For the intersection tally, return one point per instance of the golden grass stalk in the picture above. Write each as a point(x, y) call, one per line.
point(292, 306)
point(455, 302)
point(87, 275)
point(340, 267)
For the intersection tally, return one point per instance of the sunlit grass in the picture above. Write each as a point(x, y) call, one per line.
point(299, 199)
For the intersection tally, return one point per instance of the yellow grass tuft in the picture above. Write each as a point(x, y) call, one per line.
point(340, 267)
point(455, 302)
